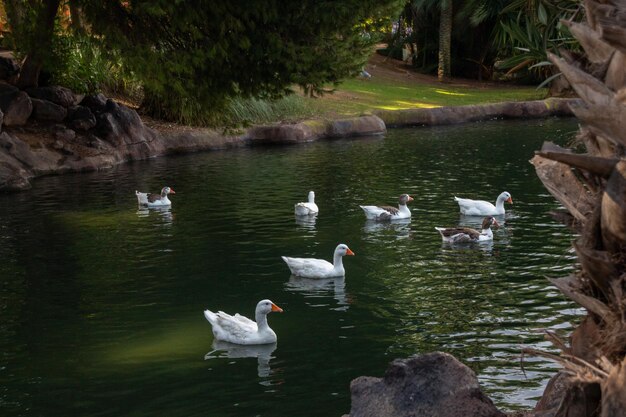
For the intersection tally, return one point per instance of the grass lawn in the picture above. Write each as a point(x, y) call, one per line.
point(393, 87)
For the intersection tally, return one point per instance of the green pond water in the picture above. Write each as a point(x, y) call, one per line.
point(101, 303)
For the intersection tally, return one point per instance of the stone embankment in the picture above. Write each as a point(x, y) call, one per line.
point(51, 130)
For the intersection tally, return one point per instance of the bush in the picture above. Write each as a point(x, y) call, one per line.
point(82, 65)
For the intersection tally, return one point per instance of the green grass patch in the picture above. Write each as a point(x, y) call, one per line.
point(363, 95)
point(359, 96)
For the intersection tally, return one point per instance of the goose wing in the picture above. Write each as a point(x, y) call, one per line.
point(309, 267)
point(154, 197)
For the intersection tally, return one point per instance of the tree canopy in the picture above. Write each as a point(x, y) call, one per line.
point(206, 50)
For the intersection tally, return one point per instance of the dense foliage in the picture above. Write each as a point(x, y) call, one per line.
point(490, 36)
point(198, 53)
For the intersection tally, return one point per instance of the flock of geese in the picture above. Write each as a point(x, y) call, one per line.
point(241, 330)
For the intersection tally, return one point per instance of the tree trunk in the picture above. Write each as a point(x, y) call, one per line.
point(40, 46)
point(76, 13)
point(592, 187)
point(445, 35)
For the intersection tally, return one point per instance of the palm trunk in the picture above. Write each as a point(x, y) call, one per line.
point(445, 35)
point(592, 187)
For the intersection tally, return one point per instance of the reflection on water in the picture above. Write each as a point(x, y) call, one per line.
point(165, 213)
point(476, 222)
point(484, 246)
point(263, 353)
point(400, 228)
point(102, 304)
point(306, 222)
point(319, 289)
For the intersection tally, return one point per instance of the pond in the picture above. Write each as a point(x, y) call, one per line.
point(102, 303)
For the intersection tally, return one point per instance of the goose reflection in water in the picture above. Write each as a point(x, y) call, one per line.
point(483, 246)
point(476, 221)
point(165, 213)
point(320, 288)
point(263, 353)
point(402, 227)
point(306, 222)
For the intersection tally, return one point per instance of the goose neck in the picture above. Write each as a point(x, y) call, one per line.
point(337, 260)
point(261, 320)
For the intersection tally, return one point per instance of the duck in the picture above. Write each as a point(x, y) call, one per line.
point(382, 213)
point(319, 268)
point(307, 209)
point(484, 208)
point(466, 234)
point(155, 200)
point(241, 330)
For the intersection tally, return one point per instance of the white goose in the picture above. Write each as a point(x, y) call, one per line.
point(382, 213)
point(466, 234)
point(483, 208)
point(155, 200)
point(241, 330)
point(307, 209)
point(319, 268)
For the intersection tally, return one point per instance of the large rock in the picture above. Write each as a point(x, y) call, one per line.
point(311, 130)
point(17, 108)
point(8, 88)
point(285, 134)
point(96, 103)
point(431, 385)
point(47, 111)
point(123, 128)
point(356, 126)
point(58, 95)
point(8, 68)
point(80, 118)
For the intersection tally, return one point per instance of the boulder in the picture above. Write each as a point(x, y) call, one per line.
point(17, 108)
point(356, 126)
point(62, 133)
point(122, 127)
point(8, 68)
point(283, 134)
point(58, 95)
point(96, 103)
point(8, 88)
point(431, 385)
point(80, 118)
point(47, 111)
point(552, 397)
point(1, 120)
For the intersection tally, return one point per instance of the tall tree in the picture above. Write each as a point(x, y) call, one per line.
point(32, 24)
point(445, 36)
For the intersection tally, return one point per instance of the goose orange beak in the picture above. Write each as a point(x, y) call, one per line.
point(276, 308)
point(172, 191)
point(509, 200)
point(349, 252)
point(410, 198)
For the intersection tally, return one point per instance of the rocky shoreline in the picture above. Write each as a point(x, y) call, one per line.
point(51, 130)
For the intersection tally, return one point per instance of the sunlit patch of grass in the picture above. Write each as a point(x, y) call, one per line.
point(358, 95)
point(450, 93)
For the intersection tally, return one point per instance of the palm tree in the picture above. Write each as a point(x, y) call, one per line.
point(445, 31)
point(445, 35)
point(592, 187)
